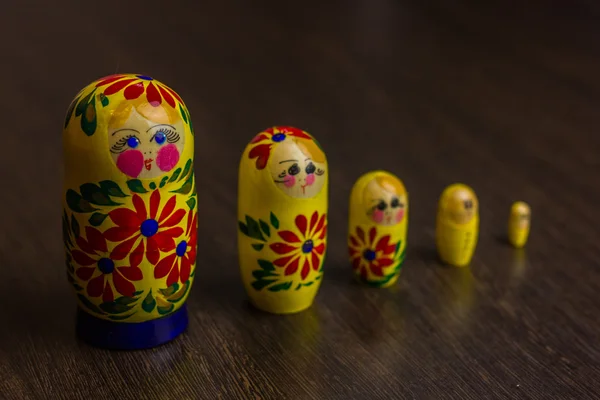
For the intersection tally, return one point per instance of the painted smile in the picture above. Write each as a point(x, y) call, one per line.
point(148, 163)
point(303, 188)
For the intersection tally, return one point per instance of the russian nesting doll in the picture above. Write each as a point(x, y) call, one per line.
point(130, 213)
point(282, 213)
point(457, 225)
point(377, 228)
point(518, 224)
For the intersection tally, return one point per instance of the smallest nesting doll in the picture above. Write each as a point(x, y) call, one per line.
point(457, 225)
point(518, 224)
point(377, 228)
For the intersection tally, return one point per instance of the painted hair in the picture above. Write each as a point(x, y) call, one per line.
point(161, 113)
point(265, 142)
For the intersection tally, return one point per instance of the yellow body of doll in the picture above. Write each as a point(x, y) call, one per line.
point(518, 224)
point(377, 228)
point(457, 225)
point(282, 213)
point(130, 214)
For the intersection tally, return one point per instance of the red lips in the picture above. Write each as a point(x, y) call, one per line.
point(148, 163)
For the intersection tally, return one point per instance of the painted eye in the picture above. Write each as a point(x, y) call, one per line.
point(381, 206)
point(294, 170)
point(395, 203)
point(468, 204)
point(160, 137)
point(310, 168)
point(133, 142)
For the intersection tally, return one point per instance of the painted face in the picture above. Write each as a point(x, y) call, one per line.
point(295, 172)
point(385, 205)
point(145, 149)
point(462, 206)
point(521, 214)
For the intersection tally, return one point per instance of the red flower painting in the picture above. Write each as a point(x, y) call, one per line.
point(145, 226)
point(303, 249)
point(99, 271)
point(178, 265)
point(265, 140)
point(369, 254)
point(134, 86)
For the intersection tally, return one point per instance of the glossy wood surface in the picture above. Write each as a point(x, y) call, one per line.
point(503, 96)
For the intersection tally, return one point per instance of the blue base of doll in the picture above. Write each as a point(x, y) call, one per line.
point(130, 336)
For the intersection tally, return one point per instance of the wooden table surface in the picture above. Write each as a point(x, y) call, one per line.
point(502, 96)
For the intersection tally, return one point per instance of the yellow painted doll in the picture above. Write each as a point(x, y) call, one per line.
point(130, 214)
point(282, 213)
point(518, 224)
point(457, 225)
point(377, 228)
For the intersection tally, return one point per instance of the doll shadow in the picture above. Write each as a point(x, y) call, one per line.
point(502, 239)
point(428, 256)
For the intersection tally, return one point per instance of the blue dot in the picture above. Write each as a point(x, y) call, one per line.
point(144, 77)
point(106, 265)
point(149, 227)
point(133, 142)
point(278, 137)
point(181, 248)
point(160, 137)
point(307, 246)
point(369, 255)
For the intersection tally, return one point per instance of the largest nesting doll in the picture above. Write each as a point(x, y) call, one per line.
point(282, 213)
point(130, 213)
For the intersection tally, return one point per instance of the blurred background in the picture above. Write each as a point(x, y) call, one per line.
point(502, 96)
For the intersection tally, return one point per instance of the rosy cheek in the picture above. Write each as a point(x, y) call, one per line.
point(310, 179)
point(289, 181)
point(167, 157)
point(131, 162)
point(378, 216)
point(400, 215)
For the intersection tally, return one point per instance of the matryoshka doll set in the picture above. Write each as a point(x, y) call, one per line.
point(130, 216)
point(130, 211)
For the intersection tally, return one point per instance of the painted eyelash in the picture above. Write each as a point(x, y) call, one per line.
point(283, 174)
point(319, 172)
point(172, 136)
point(119, 147)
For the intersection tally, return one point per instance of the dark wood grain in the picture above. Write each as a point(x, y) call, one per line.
point(500, 95)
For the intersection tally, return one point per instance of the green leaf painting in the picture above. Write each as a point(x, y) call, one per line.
point(103, 99)
point(95, 195)
point(88, 304)
point(77, 203)
point(70, 111)
point(280, 286)
point(149, 303)
point(260, 284)
point(152, 185)
point(112, 189)
point(175, 175)
point(97, 218)
point(86, 110)
point(258, 246)
point(266, 265)
point(180, 294)
point(186, 187)
point(163, 181)
point(75, 226)
point(186, 169)
point(251, 229)
point(136, 186)
point(265, 227)
point(191, 203)
point(274, 221)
